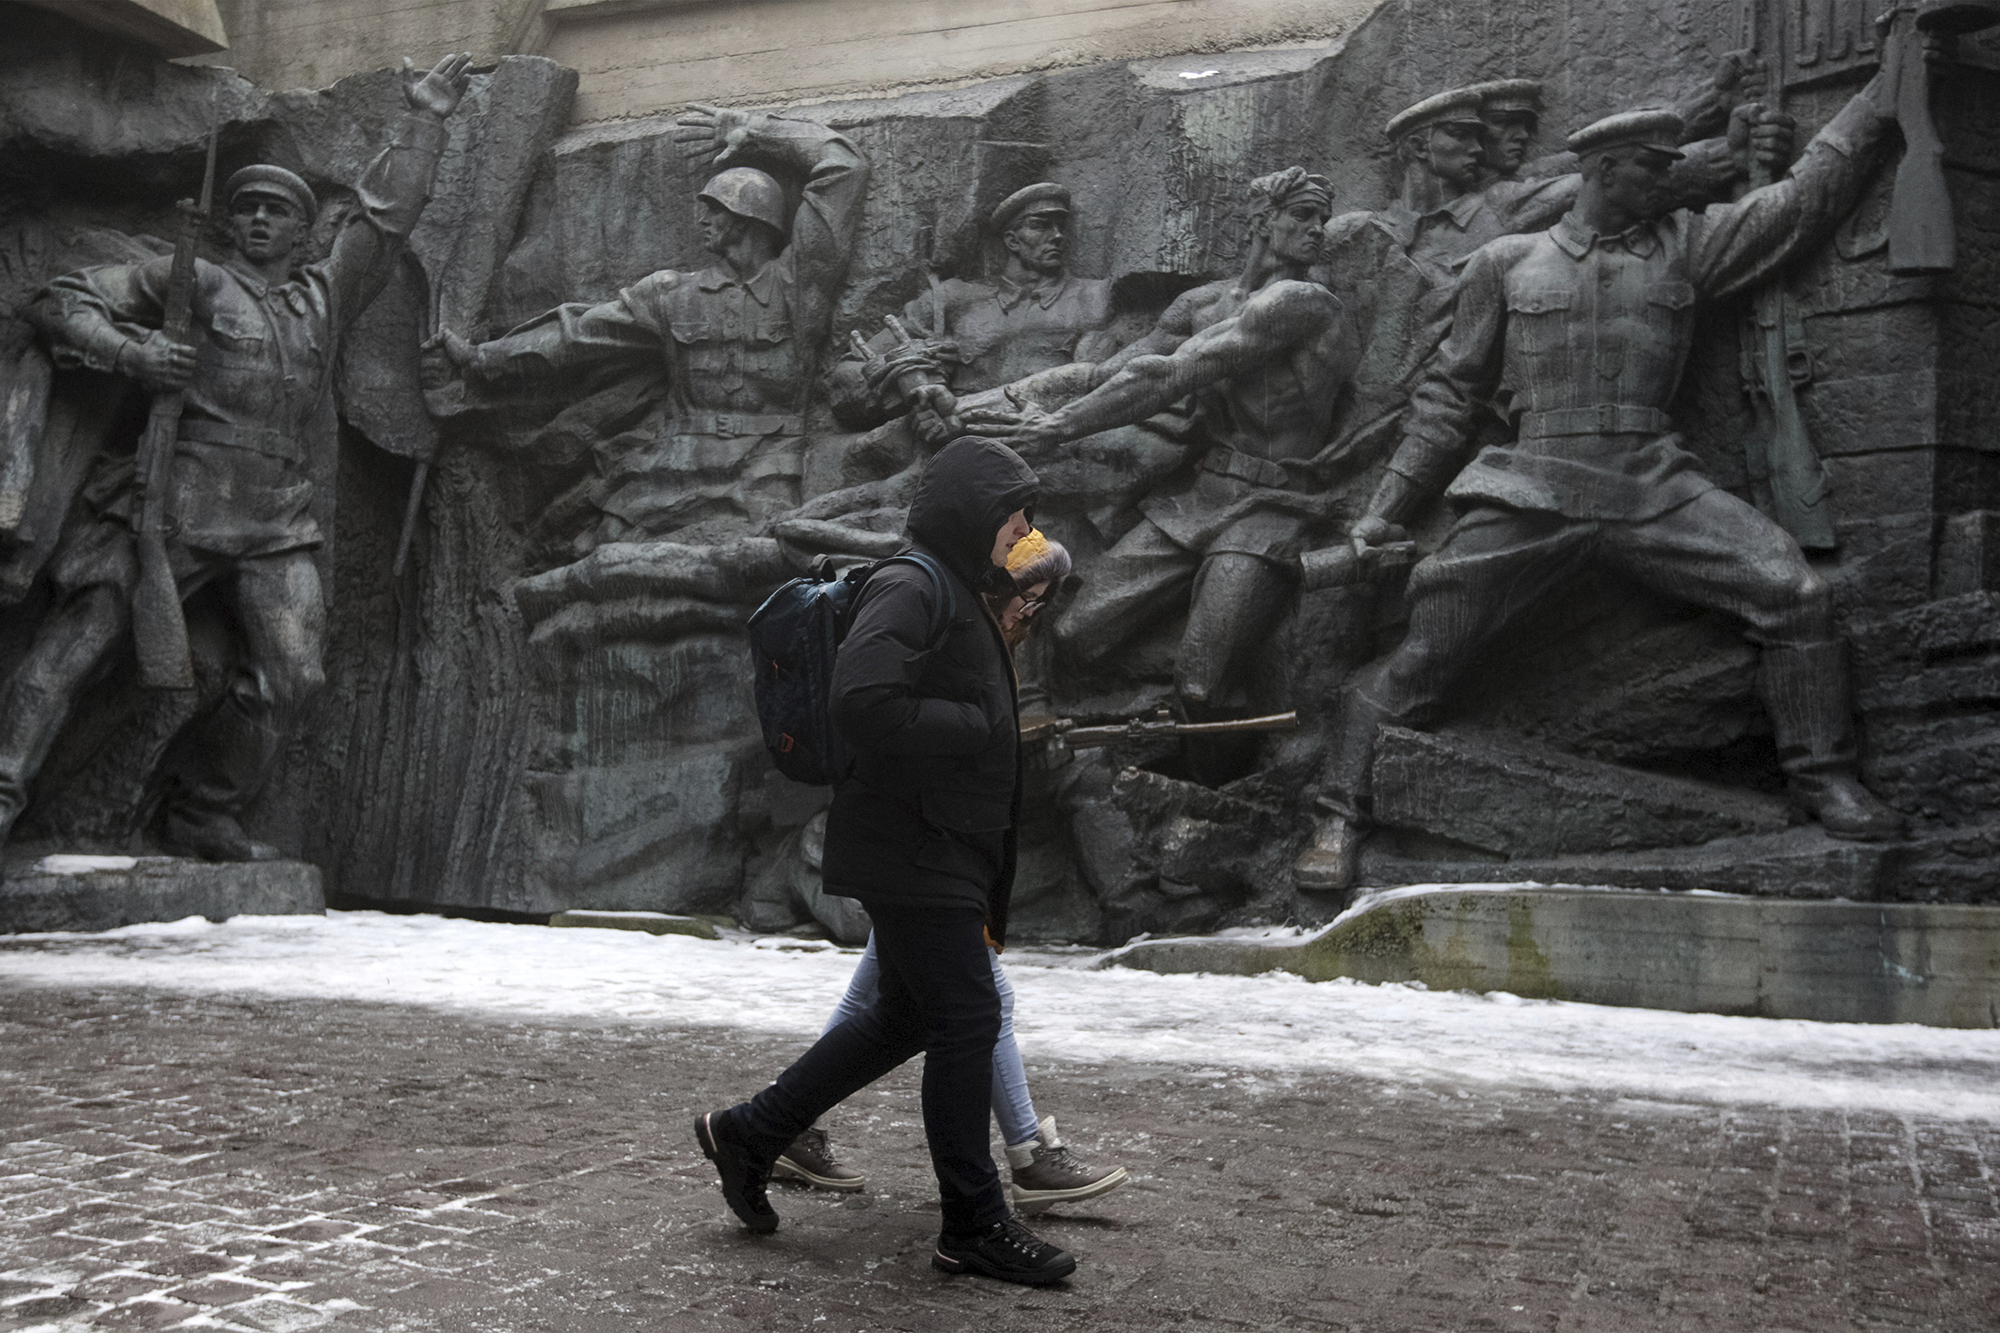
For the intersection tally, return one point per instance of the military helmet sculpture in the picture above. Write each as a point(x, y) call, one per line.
point(748, 192)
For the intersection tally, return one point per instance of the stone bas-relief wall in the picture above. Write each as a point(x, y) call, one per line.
point(508, 728)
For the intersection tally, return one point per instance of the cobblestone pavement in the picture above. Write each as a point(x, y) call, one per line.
point(176, 1161)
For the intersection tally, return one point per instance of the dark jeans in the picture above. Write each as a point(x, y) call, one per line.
point(936, 997)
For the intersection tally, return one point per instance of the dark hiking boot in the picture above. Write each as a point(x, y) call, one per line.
point(213, 836)
point(1044, 1173)
point(810, 1159)
point(742, 1180)
point(1007, 1250)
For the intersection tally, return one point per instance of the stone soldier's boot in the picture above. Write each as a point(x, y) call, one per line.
point(223, 765)
point(1333, 857)
point(1806, 690)
point(12, 801)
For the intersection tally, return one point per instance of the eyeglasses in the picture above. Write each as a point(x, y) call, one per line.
point(1030, 605)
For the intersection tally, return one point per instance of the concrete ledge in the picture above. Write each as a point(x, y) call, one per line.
point(1842, 962)
point(653, 923)
point(171, 27)
point(104, 892)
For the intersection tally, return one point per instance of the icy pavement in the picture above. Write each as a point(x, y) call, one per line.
point(373, 1124)
point(1278, 1026)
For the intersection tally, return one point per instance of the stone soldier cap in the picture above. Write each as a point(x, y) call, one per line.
point(1504, 96)
point(1460, 106)
point(1654, 127)
point(1041, 197)
point(264, 178)
point(750, 193)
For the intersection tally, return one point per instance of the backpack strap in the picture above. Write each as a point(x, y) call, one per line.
point(947, 599)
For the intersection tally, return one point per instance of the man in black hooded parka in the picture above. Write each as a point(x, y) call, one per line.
point(922, 833)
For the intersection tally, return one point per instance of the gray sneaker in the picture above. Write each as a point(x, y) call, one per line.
point(1044, 1173)
point(810, 1159)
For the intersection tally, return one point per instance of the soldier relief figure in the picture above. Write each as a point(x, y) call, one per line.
point(1467, 179)
point(1588, 325)
point(973, 335)
point(740, 339)
point(255, 374)
point(1264, 356)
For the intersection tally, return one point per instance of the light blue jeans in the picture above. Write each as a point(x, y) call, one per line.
point(1012, 1106)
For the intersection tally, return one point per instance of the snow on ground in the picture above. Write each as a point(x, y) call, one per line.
point(1274, 1026)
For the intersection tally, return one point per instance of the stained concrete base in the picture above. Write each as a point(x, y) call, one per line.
point(1694, 952)
point(652, 923)
point(103, 892)
point(1796, 863)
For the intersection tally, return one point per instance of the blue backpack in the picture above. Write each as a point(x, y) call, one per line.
point(794, 637)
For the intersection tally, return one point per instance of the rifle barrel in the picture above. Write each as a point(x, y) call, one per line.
point(1084, 738)
point(208, 169)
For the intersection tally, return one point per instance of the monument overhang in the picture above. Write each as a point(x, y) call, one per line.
point(172, 27)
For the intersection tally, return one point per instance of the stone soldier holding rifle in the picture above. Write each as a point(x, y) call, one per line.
point(1589, 324)
point(256, 375)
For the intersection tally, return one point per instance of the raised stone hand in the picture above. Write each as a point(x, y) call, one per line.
point(1762, 139)
point(157, 363)
point(715, 134)
point(1372, 530)
point(444, 357)
point(439, 91)
point(1739, 75)
point(937, 414)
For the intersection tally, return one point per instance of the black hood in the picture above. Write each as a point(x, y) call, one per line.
point(969, 489)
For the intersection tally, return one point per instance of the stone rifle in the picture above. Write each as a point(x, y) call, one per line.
point(1784, 467)
point(1062, 732)
point(159, 628)
point(1920, 224)
point(1343, 566)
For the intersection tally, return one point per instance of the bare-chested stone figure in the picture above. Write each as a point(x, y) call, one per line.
point(1265, 356)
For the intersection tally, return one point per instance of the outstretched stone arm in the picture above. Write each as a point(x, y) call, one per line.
point(1278, 319)
point(576, 336)
point(1028, 426)
point(1739, 245)
point(394, 189)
